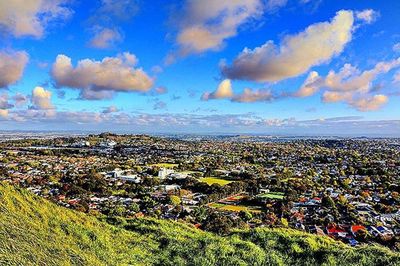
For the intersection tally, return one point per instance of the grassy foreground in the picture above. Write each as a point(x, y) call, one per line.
point(34, 231)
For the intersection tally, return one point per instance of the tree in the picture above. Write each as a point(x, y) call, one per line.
point(328, 202)
point(174, 200)
point(218, 223)
point(117, 210)
point(246, 215)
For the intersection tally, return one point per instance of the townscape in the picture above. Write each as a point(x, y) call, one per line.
point(347, 189)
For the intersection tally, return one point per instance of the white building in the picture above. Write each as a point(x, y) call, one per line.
point(119, 174)
point(164, 172)
point(108, 144)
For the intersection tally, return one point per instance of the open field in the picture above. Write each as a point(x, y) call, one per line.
point(272, 195)
point(214, 180)
point(234, 208)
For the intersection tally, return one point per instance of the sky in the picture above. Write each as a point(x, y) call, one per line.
point(298, 67)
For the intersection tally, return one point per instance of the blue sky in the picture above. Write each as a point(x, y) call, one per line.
point(201, 66)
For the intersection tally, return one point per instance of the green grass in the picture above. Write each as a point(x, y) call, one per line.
point(216, 205)
point(238, 208)
point(214, 180)
point(34, 231)
point(272, 195)
point(234, 208)
point(164, 165)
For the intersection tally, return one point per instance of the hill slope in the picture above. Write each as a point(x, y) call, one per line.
point(34, 231)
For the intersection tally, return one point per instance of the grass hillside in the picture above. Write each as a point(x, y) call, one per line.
point(34, 231)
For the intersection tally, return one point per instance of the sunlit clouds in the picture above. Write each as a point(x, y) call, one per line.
point(296, 54)
point(41, 99)
point(226, 65)
point(206, 24)
point(12, 65)
point(223, 91)
point(101, 78)
point(31, 18)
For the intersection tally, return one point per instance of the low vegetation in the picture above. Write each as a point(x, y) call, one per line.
point(34, 231)
point(214, 180)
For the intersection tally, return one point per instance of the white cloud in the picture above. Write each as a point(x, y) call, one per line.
point(349, 78)
point(206, 24)
point(99, 79)
point(105, 38)
point(105, 20)
point(223, 91)
point(3, 113)
point(371, 103)
point(41, 99)
point(89, 94)
point(273, 5)
point(20, 99)
point(367, 16)
point(349, 85)
point(249, 96)
point(30, 18)
point(4, 104)
point(335, 96)
point(310, 85)
point(12, 65)
point(296, 54)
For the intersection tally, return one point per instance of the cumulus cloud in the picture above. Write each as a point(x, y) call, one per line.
point(105, 19)
point(248, 96)
point(296, 54)
point(371, 103)
point(4, 104)
point(349, 85)
point(30, 18)
point(105, 38)
point(41, 99)
point(367, 16)
point(12, 65)
point(273, 5)
point(205, 25)
point(348, 79)
point(310, 85)
point(20, 99)
point(100, 79)
point(335, 96)
point(89, 94)
point(223, 91)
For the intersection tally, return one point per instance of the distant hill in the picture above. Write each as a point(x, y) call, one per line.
point(34, 231)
